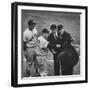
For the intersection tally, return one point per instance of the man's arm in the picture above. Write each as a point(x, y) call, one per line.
point(24, 41)
point(67, 40)
point(51, 45)
point(24, 45)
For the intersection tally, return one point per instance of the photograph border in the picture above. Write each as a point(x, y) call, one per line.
point(14, 42)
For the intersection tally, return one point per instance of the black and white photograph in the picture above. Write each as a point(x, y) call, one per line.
point(51, 44)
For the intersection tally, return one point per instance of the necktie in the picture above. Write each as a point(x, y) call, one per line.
point(59, 35)
point(55, 36)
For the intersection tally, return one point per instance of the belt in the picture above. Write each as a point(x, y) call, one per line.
point(31, 47)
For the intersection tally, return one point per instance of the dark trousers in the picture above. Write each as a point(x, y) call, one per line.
point(67, 70)
point(66, 67)
point(56, 65)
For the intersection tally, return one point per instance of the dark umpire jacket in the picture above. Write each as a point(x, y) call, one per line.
point(65, 41)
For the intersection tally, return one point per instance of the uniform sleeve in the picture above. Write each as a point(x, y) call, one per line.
point(43, 42)
point(24, 41)
point(27, 36)
point(46, 44)
point(24, 37)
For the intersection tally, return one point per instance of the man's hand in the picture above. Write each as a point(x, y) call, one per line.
point(53, 51)
point(58, 45)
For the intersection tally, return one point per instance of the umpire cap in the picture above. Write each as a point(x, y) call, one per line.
point(53, 26)
point(60, 26)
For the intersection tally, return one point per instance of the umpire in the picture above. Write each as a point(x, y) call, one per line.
point(67, 54)
point(63, 51)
